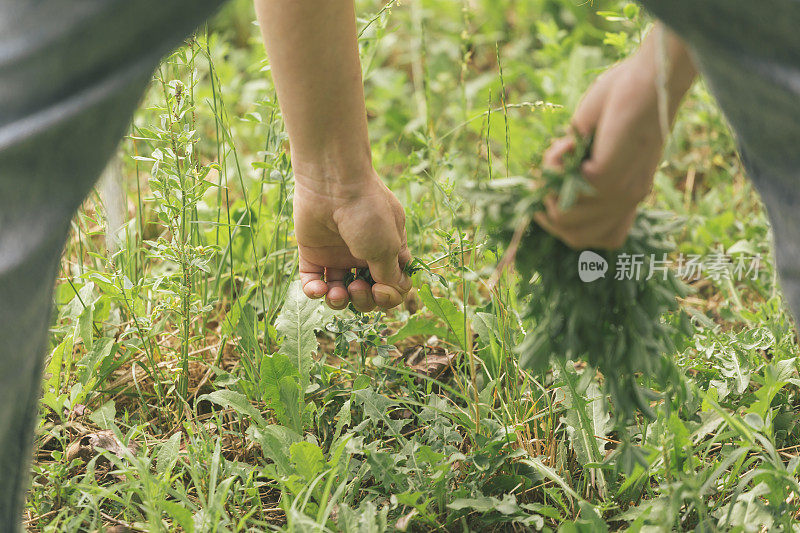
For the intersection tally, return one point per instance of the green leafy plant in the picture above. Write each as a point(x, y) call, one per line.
point(616, 324)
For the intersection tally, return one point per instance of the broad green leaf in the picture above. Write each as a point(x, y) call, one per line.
point(368, 518)
point(447, 312)
point(104, 415)
point(236, 401)
point(487, 504)
point(485, 325)
point(291, 397)
point(425, 454)
point(297, 321)
point(727, 460)
point(344, 418)
point(482, 504)
point(85, 323)
point(776, 376)
point(275, 442)
point(88, 364)
point(383, 466)
point(418, 325)
point(590, 520)
point(748, 511)
point(274, 368)
point(56, 361)
point(508, 505)
point(307, 459)
point(168, 454)
point(233, 316)
point(550, 474)
point(180, 514)
point(247, 330)
point(79, 302)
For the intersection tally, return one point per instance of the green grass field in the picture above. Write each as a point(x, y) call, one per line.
point(190, 387)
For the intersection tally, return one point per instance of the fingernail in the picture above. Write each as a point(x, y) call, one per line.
point(338, 303)
point(382, 297)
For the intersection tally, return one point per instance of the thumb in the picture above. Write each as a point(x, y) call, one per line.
point(554, 155)
point(590, 108)
point(391, 284)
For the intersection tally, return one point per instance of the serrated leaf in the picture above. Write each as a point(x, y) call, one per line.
point(297, 321)
point(587, 422)
point(274, 368)
point(376, 407)
point(307, 459)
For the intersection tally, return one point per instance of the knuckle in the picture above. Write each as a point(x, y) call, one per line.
point(594, 170)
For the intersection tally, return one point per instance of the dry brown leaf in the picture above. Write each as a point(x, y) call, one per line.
point(404, 521)
point(89, 445)
point(432, 362)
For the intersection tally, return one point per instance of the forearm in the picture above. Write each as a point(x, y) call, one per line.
point(313, 52)
point(662, 49)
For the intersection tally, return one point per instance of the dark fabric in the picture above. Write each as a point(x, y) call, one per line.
point(749, 53)
point(71, 75)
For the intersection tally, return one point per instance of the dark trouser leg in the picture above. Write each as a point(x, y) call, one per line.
point(71, 75)
point(749, 52)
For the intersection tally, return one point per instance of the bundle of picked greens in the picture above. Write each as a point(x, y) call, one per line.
point(615, 323)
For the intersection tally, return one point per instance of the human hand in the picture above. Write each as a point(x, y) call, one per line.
point(340, 226)
point(621, 109)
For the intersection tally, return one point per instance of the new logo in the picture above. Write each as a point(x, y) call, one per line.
point(591, 266)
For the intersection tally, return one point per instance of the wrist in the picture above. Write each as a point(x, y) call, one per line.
point(335, 179)
point(336, 160)
point(681, 71)
point(665, 54)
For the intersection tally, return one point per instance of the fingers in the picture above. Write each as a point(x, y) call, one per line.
point(391, 284)
point(337, 297)
point(361, 296)
point(404, 257)
point(383, 295)
point(587, 225)
point(584, 121)
point(590, 109)
point(318, 281)
point(311, 279)
point(390, 288)
point(332, 286)
point(553, 157)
